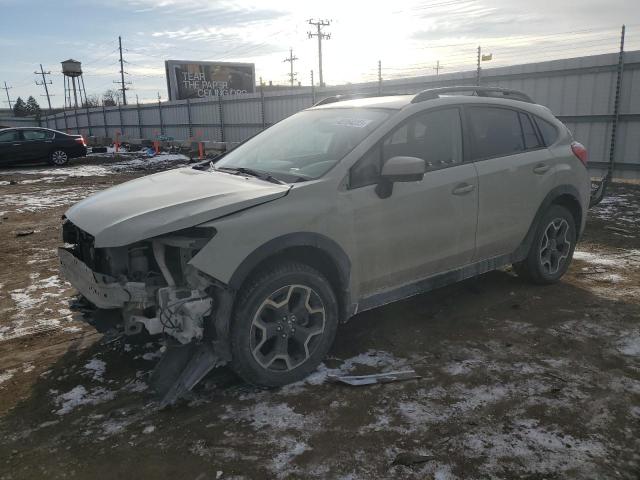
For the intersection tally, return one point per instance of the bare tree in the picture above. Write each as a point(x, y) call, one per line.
point(111, 98)
point(91, 101)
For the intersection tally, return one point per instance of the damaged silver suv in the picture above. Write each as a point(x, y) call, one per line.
point(354, 203)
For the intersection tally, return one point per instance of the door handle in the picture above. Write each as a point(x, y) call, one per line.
point(541, 168)
point(463, 189)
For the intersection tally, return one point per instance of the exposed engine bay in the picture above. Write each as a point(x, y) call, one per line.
point(155, 288)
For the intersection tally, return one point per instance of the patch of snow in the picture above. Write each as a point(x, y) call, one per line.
point(96, 369)
point(274, 416)
point(597, 259)
point(148, 429)
point(281, 462)
point(7, 375)
point(78, 396)
point(630, 345)
point(45, 199)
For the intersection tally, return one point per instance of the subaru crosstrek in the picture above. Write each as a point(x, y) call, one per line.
point(254, 259)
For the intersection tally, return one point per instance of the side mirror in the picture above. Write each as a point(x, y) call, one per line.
point(399, 169)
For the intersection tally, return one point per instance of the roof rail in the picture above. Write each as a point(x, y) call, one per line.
point(494, 92)
point(352, 96)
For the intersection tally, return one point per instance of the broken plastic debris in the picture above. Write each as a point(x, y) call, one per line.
point(388, 377)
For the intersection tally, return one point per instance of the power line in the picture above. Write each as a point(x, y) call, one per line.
point(321, 36)
point(44, 83)
point(291, 59)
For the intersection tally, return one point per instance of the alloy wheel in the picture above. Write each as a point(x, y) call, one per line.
point(287, 327)
point(555, 246)
point(59, 157)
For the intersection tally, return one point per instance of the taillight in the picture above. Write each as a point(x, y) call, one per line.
point(81, 141)
point(579, 151)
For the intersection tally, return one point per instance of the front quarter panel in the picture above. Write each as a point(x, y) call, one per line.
point(307, 209)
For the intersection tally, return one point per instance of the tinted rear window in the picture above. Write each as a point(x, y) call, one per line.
point(37, 134)
point(548, 130)
point(495, 132)
point(8, 136)
point(531, 140)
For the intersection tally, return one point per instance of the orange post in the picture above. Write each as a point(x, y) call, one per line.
point(117, 142)
point(200, 150)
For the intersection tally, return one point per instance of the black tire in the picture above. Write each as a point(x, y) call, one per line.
point(546, 268)
point(58, 157)
point(296, 282)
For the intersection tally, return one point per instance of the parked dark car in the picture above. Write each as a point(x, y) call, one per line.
point(31, 144)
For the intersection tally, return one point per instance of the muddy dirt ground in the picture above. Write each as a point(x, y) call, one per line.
point(517, 381)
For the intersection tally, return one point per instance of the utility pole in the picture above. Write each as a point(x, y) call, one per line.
point(122, 83)
point(478, 71)
point(379, 77)
point(437, 68)
point(321, 36)
point(291, 59)
point(45, 82)
point(616, 106)
point(313, 90)
point(6, 89)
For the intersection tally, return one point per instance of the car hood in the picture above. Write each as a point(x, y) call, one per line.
point(165, 202)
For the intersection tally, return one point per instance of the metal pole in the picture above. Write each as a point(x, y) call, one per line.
point(313, 90)
point(221, 113)
point(189, 118)
point(121, 122)
point(139, 118)
point(478, 71)
point(379, 77)
point(262, 113)
point(160, 114)
point(88, 119)
point(616, 106)
point(104, 118)
point(44, 82)
point(6, 89)
point(66, 124)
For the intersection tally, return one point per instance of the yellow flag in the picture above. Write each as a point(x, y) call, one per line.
point(487, 57)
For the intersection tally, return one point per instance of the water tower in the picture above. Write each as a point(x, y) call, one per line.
point(73, 83)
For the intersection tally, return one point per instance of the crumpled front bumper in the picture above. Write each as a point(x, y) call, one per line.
point(101, 290)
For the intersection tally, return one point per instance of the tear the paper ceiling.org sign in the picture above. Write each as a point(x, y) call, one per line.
point(190, 79)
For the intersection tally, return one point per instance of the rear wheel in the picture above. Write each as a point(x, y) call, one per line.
point(552, 248)
point(58, 157)
point(285, 322)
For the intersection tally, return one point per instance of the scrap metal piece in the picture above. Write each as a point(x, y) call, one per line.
point(181, 368)
point(359, 380)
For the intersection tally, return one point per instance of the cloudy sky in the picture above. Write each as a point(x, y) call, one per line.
point(408, 36)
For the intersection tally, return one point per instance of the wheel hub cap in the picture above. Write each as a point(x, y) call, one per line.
point(555, 246)
point(287, 327)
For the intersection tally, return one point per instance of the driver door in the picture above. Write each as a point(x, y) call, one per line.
point(425, 227)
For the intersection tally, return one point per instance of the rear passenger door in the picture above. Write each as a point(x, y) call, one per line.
point(424, 227)
point(515, 172)
point(36, 144)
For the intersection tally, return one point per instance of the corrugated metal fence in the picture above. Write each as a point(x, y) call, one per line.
point(580, 91)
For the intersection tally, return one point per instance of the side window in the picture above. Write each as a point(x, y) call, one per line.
point(531, 140)
point(8, 136)
point(495, 132)
point(433, 136)
point(35, 135)
point(548, 130)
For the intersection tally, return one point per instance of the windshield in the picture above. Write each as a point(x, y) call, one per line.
point(306, 145)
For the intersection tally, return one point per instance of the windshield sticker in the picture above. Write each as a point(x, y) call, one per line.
point(353, 122)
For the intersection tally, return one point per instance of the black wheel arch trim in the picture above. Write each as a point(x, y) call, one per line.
point(555, 193)
point(299, 239)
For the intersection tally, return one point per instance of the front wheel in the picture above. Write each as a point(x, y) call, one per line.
point(58, 157)
point(284, 324)
point(552, 248)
